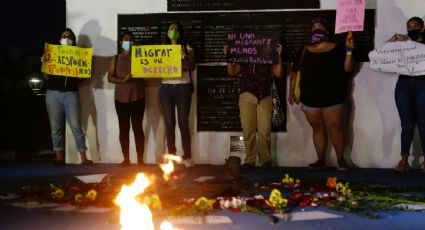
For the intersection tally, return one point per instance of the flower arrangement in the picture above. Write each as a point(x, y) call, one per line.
point(362, 199)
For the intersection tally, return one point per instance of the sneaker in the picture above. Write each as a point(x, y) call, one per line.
point(342, 165)
point(317, 165)
point(402, 166)
point(188, 163)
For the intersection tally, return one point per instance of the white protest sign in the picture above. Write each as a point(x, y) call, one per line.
point(401, 57)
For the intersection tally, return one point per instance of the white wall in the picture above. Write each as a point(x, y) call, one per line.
point(374, 136)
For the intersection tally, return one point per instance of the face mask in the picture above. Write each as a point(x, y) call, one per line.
point(318, 36)
point(126, 45)
point(173, 34)
point(414, 34)
point(66, 41)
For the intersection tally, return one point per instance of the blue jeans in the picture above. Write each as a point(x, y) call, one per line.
point(63, 106)
point(410, 101)
point(180, 96)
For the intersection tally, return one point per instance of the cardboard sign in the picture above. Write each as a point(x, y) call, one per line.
point(252, 47)
point(399, 57)
point(349, 15)
point(71, 61)
point(156, 61)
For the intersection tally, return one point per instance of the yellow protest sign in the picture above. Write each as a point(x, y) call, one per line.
point(156, 61)
point(71, 61)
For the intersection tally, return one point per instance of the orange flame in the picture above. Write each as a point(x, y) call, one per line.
point(168, 167)
point(133, 213)
point(131, 209)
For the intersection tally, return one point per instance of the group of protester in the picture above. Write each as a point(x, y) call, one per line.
point(325, 67)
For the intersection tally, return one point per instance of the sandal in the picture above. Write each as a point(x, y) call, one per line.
point(87, 162)
point(402, 166)
point(58, 163)
point(319, 164)
point(342, 165)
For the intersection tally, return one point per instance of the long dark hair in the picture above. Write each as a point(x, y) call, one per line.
point(326, 25)
point(126, 33)
point(73, 39)
point(180, 28)
point(416, 19)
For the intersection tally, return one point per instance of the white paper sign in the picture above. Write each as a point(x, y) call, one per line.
point(401, 57)
point(200, 220)
point(92, 178)
point(314, 215)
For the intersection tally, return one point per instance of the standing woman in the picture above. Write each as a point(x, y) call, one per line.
point(323, 67)
point(255, 106)
point(63, 103)
point(129, 100)
point(410, 98)
point(177, 93)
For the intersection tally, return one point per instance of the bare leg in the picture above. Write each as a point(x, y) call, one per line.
point(59, 156)
point(320, 136)
point(84, 160)
point(334, 121)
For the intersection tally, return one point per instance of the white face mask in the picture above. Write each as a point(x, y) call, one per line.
point(126, 45)
point(66, 41)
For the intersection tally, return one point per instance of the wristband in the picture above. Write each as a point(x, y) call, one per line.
point(349, 53)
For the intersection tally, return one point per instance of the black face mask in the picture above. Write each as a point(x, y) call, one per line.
point(414, 34)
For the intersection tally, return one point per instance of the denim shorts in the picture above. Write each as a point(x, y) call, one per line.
point(336, 106)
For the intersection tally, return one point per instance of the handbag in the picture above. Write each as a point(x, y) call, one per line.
point(277, 111)
point(297, 90)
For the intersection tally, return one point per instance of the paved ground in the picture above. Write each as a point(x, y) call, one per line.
point(15, 175)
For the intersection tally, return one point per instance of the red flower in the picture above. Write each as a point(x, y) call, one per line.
point(305, 202)
point(74, 189)
point(297, 196)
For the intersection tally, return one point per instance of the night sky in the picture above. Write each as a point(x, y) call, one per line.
point(25, 26)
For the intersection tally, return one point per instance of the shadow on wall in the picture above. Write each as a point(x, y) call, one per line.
point(155, 127)
point(90, 37)
point(350, 114)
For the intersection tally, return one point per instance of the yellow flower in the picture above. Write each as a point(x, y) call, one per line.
point(91, 195)
point(276, 200)
point(287, 179)
point(78, 198)
point(344, 189)
point(57, 194)
point(204, 204)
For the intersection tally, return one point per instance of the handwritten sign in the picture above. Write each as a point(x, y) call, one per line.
point(156, 61)
point(349, 15)
point(252, 47)
point(399, 57)
point(71, 61)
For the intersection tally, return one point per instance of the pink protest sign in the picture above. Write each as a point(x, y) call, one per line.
point(349, 15)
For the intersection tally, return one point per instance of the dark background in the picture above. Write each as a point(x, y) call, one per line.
point(25, 26)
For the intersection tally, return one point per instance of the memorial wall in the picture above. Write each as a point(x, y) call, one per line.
point(373, 135)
